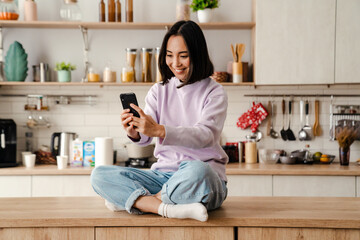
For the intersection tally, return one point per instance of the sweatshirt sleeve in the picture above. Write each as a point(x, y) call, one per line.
point(206, 132)
point(150, 109)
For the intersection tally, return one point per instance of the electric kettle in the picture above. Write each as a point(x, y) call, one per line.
point(62, 147)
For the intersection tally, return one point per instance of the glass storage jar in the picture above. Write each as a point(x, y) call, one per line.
point(131, 59)
point(250, 149)
point(8, 10)
point(146, 55)
point(70, 11)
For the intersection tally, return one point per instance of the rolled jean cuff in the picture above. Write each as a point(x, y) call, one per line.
point(133, 197)
point(164, 195)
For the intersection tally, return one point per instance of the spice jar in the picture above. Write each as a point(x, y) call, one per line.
point(183, 10)
point(250, 149)
point(146, 55)
point(131, 58)
point(111, 10)
point(70, 11)
point(109, 76)
point(93, 76)
point(127, 74)
point(8, 10)
point(102, 16)
point(158, 74)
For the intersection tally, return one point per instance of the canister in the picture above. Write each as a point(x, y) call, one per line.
point(250, 150)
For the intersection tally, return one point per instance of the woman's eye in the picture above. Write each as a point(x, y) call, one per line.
point(168, 55)
point(185, 56)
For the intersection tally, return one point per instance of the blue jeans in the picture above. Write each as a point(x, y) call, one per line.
point(193, 182)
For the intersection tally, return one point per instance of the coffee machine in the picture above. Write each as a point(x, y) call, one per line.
point(7, 143)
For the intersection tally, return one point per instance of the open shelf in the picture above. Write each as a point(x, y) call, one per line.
point(116, 25)
point(102, 84)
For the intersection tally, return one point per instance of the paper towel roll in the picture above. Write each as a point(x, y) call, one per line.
point(103, 151)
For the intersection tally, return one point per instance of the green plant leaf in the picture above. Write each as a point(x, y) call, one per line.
point(64, 66)
point(197, 5)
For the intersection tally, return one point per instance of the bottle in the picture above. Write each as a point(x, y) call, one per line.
point(111, 10)
point(70, 11)
point(30, 10)
point(182, 10)
point(102, 17)
point(250, 150)
point(118, 11)
point(29, 146)
point(146, 55)
point(129, 11)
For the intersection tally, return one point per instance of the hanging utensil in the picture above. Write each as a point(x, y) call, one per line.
point(268, 127)
point(283, 131)
point(302, 132)
point(240, 51)
point(273, 133)
point(307, 126)
point(289, 133)
point(317, 131)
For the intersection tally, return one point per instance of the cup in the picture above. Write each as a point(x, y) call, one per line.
point(61, 161)
point(23, 156)
point(29, 160)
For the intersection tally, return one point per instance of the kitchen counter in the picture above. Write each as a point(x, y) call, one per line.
point(304, 212)
point(334, 169)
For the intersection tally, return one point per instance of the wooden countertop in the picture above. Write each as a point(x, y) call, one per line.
point(312, 212)
point(334, 169)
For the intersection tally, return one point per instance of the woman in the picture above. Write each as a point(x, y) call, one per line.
point(186, 114)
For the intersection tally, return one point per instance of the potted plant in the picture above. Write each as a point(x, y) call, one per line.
point(64, 71)
point(204, 9)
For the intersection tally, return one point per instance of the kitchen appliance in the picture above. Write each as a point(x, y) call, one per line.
point(7, 143)
point(139, 155)
point(63, 143)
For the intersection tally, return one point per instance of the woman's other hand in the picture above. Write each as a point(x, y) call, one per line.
point(146, 124)
point(127, 123)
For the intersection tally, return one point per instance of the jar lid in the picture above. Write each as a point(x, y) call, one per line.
point(132, 50)
point(70, 1)
point(146, 49)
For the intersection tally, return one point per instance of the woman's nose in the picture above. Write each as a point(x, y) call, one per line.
point(176, 62)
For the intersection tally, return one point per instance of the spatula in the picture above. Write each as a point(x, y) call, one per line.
point(316, 128)
point(289, 133)
point(283, 131)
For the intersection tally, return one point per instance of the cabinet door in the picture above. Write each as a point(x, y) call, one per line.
point(249, 185)
point(295, 42)
point(63, 233)
point(155, 233)
point(15, 186)
point(314, 186)
point(347, 42)
point(62, 186)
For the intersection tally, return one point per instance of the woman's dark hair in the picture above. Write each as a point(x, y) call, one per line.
point(201, 66)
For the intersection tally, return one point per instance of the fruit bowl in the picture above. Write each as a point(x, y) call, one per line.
point(327, 158)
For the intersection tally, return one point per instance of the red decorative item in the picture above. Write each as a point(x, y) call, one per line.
point(253, 117)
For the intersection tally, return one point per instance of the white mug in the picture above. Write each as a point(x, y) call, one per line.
point(29, 160)
point(61, 161)
point(23, 156)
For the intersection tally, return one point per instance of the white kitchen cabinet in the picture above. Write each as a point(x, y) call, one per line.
point(347, 59)
point(314, 186)
point(249, 185)
point(295, 42)
point(62, 185)
point(15, 186)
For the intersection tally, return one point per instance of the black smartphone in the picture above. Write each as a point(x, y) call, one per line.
point(126, 99)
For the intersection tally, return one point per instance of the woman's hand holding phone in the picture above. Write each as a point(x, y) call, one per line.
point(126, 121)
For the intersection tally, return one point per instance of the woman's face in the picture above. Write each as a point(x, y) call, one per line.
point(177, 57)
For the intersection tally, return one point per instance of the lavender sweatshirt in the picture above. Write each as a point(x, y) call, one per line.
point(193, 117)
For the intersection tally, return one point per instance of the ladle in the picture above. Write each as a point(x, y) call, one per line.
point(273, 133)
point(302, 132)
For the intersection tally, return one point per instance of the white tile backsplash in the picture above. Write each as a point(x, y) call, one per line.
point(103, 119)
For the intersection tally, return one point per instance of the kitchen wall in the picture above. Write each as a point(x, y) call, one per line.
point(107, 48)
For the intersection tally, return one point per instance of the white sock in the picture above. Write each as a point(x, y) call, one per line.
point(112, 207)
point(195, 211)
